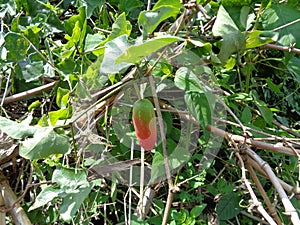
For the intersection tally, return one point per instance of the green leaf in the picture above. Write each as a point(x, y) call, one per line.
point(197, 210)
point(69, 177)
point(136, 53)
point(92, 41)
point(91, 5)
point(80, 19)
point(178, 155)
point(92, 78)
point(72, 202)
point(246, 116)
point(263, 108)
point(34, 105)
point(113, 50)
point(186, 80)
point(274, 87)
point(75, 38)
point(46, 195)
point(149, 20)
point(233, 42)
point(228, 207)
point(200, 102)
point(31, 70)
point(120, 26)
point(82, 91)
point(224, 23)
point(294, 68)
point(128, 6)
point(265, 111)
point(16, 130)
point(200, 106)
point(62, 97)
point(280, 15)
point(170, 3)
point(45, 142)
point(258, 38)
point(65, 113)
point(16, 47)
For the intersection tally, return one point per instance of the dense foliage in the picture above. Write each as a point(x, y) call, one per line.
point(223, 77)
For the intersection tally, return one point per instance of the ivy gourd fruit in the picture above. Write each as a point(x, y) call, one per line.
point(144, 122)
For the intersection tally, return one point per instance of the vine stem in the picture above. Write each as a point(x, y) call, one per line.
point(164, 146)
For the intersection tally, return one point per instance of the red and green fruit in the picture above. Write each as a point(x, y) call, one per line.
point(144, 122)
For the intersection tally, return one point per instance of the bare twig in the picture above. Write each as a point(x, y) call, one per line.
point(258, 144)
point(286, 129)
point(282, 48)
point(255, 203)
point(262, 192)
point(289, 208)
point(286, 25)
point(26, 94)
point(289, 189)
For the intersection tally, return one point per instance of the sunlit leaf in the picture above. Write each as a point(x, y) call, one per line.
point(69, 177)
point(149, 20)
point(136, 53)
point(16, 130)
point(44, 143)
point(46, 195)
point(258, 38)
point(113, 50)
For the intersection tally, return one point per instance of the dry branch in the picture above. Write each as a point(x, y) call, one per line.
point(17, 212)
point(289, 208)
point(29, 93)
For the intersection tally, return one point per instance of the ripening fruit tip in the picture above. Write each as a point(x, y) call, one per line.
point(144, 122)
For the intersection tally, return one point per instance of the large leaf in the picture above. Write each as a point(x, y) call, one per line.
point(91, 5)
point(120, 26)
point(70, 178)
point(16, 46)
point(136, 53)
point(16, 130)
point(128, 6)
point(149, 20)
point(113, 50)
point(200, 106)
point(46, 195)
point(31, 70)
point(72, 202)
point(79, 18)
point(231, 24)
point(232, 43)
point(186, 80)
point(200, 102)
point(228, 207)
point(280, 15)
point(224, 23)
point(45, 142)
point(73, 188)
point(170, 3)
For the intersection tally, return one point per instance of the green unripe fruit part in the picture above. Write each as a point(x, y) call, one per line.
point(144, 122)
